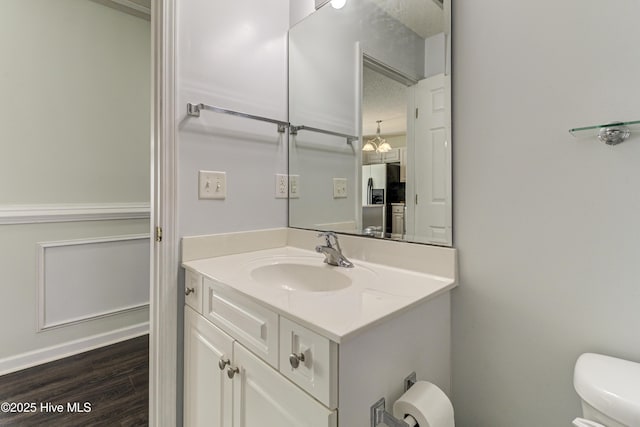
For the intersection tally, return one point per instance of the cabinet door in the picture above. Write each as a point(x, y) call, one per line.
point(207, 390)
point(264, 398)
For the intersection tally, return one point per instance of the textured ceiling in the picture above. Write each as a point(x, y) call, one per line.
point(424, 17)
point(383, 99)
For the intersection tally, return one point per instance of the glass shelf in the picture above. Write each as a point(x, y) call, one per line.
point(609, 133)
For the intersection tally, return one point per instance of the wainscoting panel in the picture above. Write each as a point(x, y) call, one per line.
point(79, 280)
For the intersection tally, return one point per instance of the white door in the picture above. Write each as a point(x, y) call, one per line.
point(207, 389)
point(432, 219)
point(264, 398)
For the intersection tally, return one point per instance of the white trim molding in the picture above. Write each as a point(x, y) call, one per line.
point(48, 354)
point(87, 318)
point(89, 310)
point(36, 213)
point(135, 8)
point(163, 313)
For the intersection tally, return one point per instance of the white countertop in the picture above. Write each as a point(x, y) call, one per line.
point(376, 293)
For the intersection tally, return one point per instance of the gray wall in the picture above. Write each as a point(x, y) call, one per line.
point(317, 159)
point(74, 110)
point(74, 137)
point(233, 59)
point(546, 224)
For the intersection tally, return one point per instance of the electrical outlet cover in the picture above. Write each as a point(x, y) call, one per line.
point(339, 188)
point(212, 185)
point(282, 186)
point(294, 186)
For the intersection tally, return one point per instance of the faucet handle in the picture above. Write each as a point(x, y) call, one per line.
point(328, 235)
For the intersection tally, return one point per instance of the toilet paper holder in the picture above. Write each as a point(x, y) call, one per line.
point(379, 413)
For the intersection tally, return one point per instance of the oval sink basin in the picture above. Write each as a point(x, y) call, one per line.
point(301, 277)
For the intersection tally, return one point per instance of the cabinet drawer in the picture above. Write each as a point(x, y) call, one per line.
point(193, 290)
point(317, 374)
point(253, 325)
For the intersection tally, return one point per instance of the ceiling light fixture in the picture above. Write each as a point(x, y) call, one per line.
point(377, 144)
point(338, 4)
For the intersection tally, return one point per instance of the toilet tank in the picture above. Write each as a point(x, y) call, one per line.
point(609, 385)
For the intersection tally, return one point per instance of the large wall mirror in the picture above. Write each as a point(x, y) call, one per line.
point(370, 114)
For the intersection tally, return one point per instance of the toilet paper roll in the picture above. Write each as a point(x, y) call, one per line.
point(408, 419)
point(426, 403)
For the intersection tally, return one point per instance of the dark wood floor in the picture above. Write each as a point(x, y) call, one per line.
point(113, 380)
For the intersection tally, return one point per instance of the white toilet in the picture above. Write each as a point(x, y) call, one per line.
point(609, 389)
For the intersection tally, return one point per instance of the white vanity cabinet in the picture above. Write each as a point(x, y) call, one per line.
point(281, 369)
point(248, 391)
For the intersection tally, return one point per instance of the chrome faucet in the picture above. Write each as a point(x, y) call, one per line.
point(332, 252)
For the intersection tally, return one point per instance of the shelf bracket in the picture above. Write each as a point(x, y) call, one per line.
point(610, 133)
point(614, 134)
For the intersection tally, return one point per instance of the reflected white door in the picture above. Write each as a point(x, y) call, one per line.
point(432, 159)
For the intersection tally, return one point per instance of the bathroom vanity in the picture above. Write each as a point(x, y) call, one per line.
point(275, 337)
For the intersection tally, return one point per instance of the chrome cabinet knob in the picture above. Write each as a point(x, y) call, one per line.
point(295, 359)
point(223, 362)
point(232, 371)
point(189, 291)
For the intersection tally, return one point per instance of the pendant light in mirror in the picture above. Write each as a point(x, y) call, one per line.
point(377, 144)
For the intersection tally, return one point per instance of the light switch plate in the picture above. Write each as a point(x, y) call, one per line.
point(339, 188)
point(212, 185)
point(294, 186)
point(282, 186)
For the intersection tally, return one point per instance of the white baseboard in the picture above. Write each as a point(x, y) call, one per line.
point(60, 351)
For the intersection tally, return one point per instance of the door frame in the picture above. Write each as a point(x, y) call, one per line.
point(163, 309)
